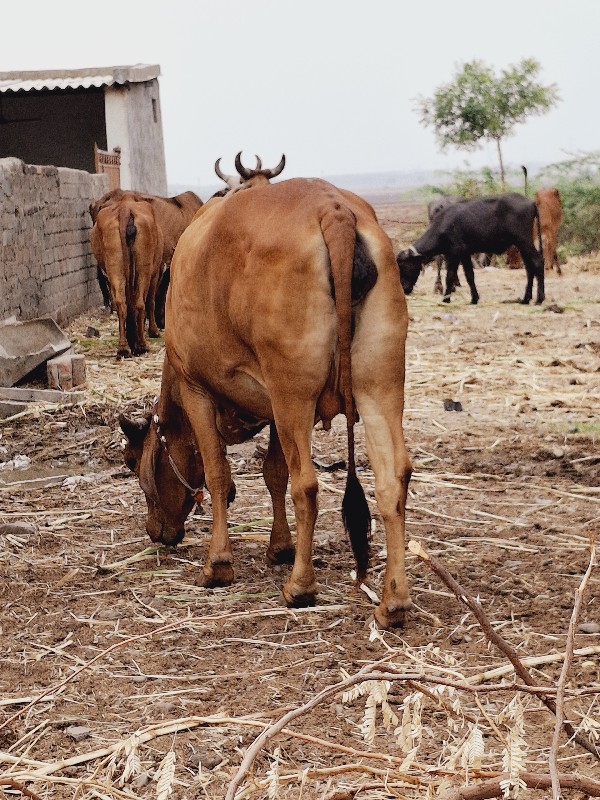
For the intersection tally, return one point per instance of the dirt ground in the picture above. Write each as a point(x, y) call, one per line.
point(122, 677)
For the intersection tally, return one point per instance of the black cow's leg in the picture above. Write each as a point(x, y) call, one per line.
point(452, 263)
point(470, 276)
point(161, 296)
point(104, 288)
point(534, 265)
point(438, 288)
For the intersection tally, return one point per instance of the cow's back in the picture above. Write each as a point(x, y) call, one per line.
point(251, 283)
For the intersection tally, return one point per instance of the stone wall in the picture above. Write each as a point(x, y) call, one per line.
point(46, 263)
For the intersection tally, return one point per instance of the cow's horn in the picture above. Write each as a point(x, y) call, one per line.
point(413, 251)
point(218, 171)
point(273, 173)
point(134, 429)
point(245, 173)
point(258, 162)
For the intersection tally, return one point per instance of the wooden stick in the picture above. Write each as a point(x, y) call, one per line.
point(492, 788)
point(19, 788)
point(418, 550)
point(560, 695)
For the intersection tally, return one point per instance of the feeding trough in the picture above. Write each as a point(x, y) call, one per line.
point(26, 345)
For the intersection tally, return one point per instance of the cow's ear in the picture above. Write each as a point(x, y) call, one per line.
point(134, 429)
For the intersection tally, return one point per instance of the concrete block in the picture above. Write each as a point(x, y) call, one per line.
point(26, 345)
point(78, 370)
point(60, 373)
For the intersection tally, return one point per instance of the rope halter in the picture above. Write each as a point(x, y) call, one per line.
point(197, 494)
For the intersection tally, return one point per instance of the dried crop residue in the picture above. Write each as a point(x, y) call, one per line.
point(154, 686)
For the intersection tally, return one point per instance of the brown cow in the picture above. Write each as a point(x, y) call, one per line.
point(550, 208)
point(172, 214)
point(550, 211)
point(128, 244)
point(284, 308)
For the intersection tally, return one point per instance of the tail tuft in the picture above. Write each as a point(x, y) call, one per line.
point(357, 522)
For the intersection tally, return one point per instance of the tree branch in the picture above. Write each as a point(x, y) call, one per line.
point(417, 549)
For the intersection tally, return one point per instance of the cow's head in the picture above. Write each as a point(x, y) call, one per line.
point(410, 263)
point(169, 500)
point(258, 175)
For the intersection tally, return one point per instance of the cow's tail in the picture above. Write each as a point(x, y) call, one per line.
point(524, 180)
point(128, 233)
point(346, 254)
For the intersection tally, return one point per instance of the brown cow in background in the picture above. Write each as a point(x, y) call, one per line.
point(550, 211)
point(550, 208)
point(172, 215)
point(128, 245)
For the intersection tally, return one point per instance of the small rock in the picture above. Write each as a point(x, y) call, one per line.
point(452, 405)
point(166, 707)
point(78, 732)
point(556, 309)
point(92, 333)
point(589, 627)
point(18, 529)
point(143, 779)
point(208, 759)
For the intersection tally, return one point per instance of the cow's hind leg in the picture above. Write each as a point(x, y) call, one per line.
point(378, 383)
point(381, 413)
point(281, 548)
point(294, 418)
point(534, 265)
point(218, 566)
point(153, 330)
point(470, 276)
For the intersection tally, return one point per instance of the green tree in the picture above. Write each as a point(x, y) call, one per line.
point(477, 105)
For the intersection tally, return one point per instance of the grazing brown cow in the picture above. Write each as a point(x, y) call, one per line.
point(128, 244)
point(284, 308)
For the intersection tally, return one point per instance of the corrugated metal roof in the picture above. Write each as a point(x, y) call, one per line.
point(77, 78)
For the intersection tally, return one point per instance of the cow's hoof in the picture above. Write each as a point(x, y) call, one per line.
point(392, 617)
point(299, 599)
point(446, 299)
point(154, 333)
point(474, 301)
point(285, 555)
point(525, 301)
point(140, 350)
point(217, 575)
point(123, 352)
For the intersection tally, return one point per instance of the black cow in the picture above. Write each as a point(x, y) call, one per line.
point(479, 225)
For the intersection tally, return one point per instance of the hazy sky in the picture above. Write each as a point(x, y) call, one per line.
point(330, 83)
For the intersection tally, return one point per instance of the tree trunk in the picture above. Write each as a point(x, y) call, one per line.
point(502, 181)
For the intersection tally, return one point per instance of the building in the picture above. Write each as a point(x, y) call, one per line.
point(104, 119)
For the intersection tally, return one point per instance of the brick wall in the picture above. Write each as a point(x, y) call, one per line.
point(46, 263)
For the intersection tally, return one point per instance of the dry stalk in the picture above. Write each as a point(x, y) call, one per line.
point(564, 673)
point(164, 629)
point(417, 549)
